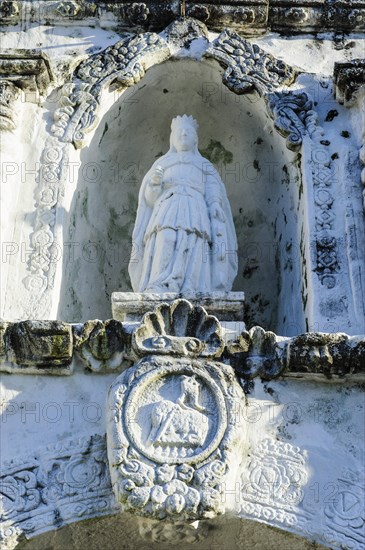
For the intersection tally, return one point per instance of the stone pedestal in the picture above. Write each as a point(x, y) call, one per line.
point(131, 306)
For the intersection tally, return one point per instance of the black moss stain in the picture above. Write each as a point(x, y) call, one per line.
point(106, 128)
point(331, 115)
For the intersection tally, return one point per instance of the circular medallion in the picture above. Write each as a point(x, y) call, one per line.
point(175, 415)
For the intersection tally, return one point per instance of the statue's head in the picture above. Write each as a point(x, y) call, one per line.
point(184, 134)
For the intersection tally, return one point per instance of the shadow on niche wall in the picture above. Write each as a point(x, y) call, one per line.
point(258, 171)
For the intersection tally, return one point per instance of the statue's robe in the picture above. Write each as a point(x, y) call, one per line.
point(178, 245)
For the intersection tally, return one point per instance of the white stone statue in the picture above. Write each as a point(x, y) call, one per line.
point(184, 239)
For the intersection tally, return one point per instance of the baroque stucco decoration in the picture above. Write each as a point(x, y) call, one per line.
point(9, 93)
point(174, 425)
point(295, 118)
point(124, 63)
point(26, 72)
point(170, 444)
point(53, 487)
point(176, 422)
point(70, 482)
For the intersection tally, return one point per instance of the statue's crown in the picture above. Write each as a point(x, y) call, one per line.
point(186, 120)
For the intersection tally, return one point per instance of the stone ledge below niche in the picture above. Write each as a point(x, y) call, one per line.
point(131, 306)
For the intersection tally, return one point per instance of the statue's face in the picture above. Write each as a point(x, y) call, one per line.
point(184, 138)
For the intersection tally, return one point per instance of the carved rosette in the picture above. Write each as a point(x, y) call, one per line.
point(171, 422)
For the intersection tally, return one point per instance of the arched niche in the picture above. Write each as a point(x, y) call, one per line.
point(260, 174)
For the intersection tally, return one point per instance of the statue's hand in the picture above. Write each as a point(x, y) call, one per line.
point(217, 213)
point(157, 176)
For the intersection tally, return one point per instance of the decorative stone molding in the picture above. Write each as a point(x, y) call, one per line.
point(123, 64)
point(49, 347)
point(29, 70)
point(326, 354)
point(326, 248)
point(258, 353)
point(248, 67)
point(184, 30)
point(103, 346)
point(10, 11)
point(292, 113)
point(273, 482)
point(247, 16)
point(349, 81)
point(362, 161)
point(70, 481)
point(301, 16)
point(35, 347)
point(9, 93)
point(179, 329)
point(63, 483)
point(175, 330)
point(295, 118)
point(349, 77)
point(173, 462)
point(132, 306)
point(344, 515)
point(263, 354)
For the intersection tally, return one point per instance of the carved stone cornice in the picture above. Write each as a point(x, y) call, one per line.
point(299, 16)
point(248, 67)
point(349, 77)
point(251, 17)
point(263, 354)
point(179, 329)
point(247, 16)
point(29, 70)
